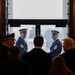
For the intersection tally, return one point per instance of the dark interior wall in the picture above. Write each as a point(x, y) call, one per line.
point(72, 19)
point(2, 17)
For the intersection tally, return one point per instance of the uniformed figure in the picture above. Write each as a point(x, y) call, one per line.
point(56, 46)
point(8, 42)
point(21, 43)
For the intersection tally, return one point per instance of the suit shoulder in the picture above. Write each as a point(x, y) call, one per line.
point(26, 54)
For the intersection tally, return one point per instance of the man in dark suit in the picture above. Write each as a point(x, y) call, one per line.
point(56, 46)
point(14, 65)
point(69, 53)
point(8, 42)
point(21, 43)
point(40, 61)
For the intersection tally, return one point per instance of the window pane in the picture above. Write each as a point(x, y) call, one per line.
point(30, 34)
point(38, 9)
point(46, 33)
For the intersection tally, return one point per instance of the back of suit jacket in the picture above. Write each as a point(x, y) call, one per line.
point(15, 66)
point(40, 61)
point(69, 57)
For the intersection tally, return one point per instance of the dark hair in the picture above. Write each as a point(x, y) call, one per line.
point(14, 51)
point(38, 41)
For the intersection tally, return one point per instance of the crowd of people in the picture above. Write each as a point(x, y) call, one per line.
point(16, 59)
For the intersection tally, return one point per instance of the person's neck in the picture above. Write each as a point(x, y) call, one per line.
point(55, 39)
point(37, 47)
point(21, 37)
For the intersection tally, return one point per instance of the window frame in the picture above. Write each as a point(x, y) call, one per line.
point(37, 23)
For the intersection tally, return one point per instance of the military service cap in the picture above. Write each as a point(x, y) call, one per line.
point(8, 36)
point(23, 31)
point(54, 32)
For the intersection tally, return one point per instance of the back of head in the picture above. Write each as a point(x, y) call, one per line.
point(58, 62)
point(14, 51)
point(59, 67)
point(38, 41)
point(69, 42)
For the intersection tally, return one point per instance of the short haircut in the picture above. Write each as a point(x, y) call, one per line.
point(14, 51)
point(38, 41)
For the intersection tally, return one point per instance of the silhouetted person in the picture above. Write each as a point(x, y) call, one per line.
point(69, 53)
point(14, 65)
point(21, 43)
point(8, 41)
point(56, 46)
point(40, 61)
point(59, 67)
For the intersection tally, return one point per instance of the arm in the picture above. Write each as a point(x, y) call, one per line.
point(21, 46)
point(56, 49)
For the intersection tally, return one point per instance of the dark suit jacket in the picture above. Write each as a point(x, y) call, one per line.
point(69, 57)
point(40, 61)
point(14, 66)
point(21, 43)
point(56, 48)
point(4, 53)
